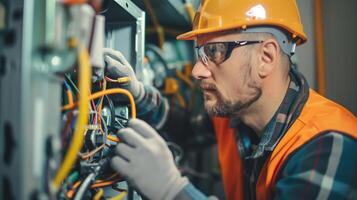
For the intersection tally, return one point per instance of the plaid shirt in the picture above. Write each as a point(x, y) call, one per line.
point(324, 168)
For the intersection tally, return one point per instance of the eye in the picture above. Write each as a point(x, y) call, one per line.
point(216, 51)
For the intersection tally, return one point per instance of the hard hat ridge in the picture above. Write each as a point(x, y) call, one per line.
point(219, 15)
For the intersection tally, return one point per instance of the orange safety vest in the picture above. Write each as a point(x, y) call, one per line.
point(318, 115)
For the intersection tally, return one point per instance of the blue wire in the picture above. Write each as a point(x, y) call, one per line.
point(66, 85)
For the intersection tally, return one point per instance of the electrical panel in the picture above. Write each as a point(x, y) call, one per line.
point(45, 50)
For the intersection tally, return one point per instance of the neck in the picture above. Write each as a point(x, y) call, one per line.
point(258, 115)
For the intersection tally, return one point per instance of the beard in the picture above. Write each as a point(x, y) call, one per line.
point(226, 108)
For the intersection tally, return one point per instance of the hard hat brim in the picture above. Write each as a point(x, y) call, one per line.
point(192, 35)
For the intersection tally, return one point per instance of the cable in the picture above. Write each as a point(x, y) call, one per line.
point(124, 79)
point(77, 141)
point(71, 82)
point(76, 88)
point(119, 123)
point(105, 183)
point(121, 117)
point(112, 110)
point(66, 127)
point(70, 193)
point(97, 184)
point(68, 93)
point(100, 106)
point(112, 138)
point(71, 179)
point(120, 196)
point(95, 120)
point(108, 178)
point(108, 92)
point(105, 131)
point(84, 186)
point(91, 153)
point(70, 97)
point(99, 194)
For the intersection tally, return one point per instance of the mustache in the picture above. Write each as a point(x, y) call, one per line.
point(207, 86)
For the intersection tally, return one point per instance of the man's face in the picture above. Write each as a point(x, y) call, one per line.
point(233, 85)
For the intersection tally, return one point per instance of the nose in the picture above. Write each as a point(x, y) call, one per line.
point(200, 71)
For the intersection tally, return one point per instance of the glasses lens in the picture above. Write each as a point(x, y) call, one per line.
point(201, 55)
point(216, 52)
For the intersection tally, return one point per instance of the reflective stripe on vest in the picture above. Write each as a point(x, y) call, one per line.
point(318, 116)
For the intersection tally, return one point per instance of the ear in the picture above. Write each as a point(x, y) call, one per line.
point(269, 57)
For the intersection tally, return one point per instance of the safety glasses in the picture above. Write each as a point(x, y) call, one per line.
point(218, 52)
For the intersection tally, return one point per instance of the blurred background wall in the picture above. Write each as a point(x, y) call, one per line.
point(340, 31)
point(339, 20)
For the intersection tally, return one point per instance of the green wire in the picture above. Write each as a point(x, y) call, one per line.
point(71, 82)
point(73, 177)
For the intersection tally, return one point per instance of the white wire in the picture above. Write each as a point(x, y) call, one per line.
point(84, 186)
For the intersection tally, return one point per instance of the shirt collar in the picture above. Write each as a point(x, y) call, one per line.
point(286, 114)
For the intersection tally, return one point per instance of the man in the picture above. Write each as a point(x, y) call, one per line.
point(283, 141)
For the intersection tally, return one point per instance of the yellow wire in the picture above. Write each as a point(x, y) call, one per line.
point(100, 107)
point(119, 197)
point(99, 194)
point(112, 138)
point(108, 92)
point(85, 72)
point(123, 80)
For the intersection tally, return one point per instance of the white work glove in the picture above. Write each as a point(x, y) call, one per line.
point(118, 67)
point(146, 162)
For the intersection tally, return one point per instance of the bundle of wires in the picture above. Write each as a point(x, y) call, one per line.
point(77, 141)
point(83, 120)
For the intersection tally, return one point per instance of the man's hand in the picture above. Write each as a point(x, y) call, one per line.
point(118, 67)
point(147, 163)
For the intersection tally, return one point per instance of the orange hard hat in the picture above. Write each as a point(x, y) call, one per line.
point(218, 15)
